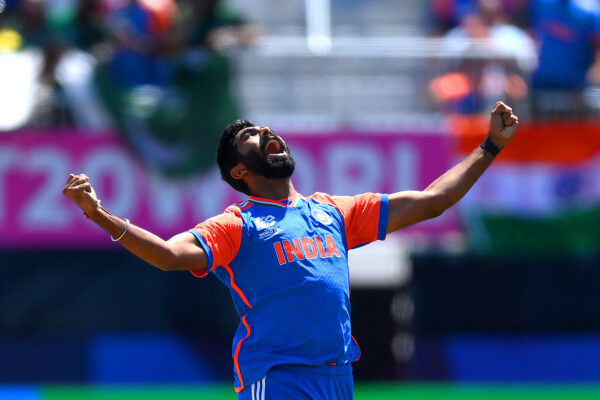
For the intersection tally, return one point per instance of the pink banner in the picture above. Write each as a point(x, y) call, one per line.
point(34, 168)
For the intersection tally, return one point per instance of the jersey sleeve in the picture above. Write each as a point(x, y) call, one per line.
point(220, 237)
point(596, 31)
point(365, 216)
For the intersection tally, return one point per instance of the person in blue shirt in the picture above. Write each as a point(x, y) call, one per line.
point(284, 256)
point(568, 36)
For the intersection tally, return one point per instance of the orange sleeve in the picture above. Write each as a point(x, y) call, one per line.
point(220, 237)
point(365, 216)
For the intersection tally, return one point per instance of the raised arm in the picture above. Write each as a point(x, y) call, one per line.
point(409, 207)
point(181, 252)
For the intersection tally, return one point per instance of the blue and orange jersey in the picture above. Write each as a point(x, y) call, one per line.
point(286, 265)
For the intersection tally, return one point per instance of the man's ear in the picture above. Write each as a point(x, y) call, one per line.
point(239, 171)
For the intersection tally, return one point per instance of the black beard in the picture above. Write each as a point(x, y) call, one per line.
point(269, 167)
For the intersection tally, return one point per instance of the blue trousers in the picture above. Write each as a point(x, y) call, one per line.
point(295, 382)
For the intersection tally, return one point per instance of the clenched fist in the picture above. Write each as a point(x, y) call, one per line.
point(81, 192)
point(503, 125)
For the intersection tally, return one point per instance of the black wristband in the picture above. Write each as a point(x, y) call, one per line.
point(490, 147)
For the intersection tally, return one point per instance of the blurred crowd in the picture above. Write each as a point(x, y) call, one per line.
point(154, 70)
point(157, 71)
point(546, 55)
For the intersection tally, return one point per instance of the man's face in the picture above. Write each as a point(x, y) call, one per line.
point(264, 153)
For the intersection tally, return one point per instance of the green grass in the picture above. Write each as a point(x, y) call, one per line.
point(216, 392)
point(363, 391)
point(469, 392)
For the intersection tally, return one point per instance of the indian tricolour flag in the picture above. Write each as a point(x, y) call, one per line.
point(541, 195)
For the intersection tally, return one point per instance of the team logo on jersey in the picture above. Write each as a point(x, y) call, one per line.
point(266, 227)
point(321, 216)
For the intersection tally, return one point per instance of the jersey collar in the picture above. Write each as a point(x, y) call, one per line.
point(288, 202)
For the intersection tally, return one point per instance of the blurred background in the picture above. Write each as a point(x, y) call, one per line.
point(497, 298)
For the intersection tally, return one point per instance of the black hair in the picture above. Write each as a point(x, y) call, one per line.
point(228, 156)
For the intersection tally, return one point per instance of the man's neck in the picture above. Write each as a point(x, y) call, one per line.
point(273, 189)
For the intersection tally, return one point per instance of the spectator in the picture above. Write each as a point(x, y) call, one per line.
point(138, 30)
point(45, 35)
point(448, 14)
point(568, 34)
point(79, 24)
point(491, 58)
point(168, 76)
point(36, 50)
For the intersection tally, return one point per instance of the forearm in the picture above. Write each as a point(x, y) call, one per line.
point(179, 252)
point(456, 182)
point(409, 207)
point(146, 245)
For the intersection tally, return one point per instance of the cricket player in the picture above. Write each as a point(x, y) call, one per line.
point(284, 256)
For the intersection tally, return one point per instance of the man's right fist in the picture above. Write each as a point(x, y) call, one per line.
point(81, 192)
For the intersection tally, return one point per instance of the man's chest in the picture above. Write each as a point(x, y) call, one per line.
point(292, 247)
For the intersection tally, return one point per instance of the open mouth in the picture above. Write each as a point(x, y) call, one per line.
point(274, 147)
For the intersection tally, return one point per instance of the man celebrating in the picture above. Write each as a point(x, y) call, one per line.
point(284, 256)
